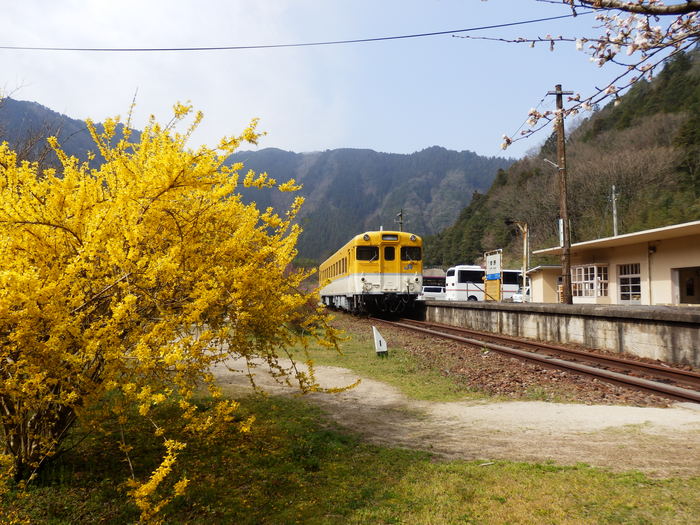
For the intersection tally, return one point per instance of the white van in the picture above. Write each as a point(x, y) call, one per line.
point(433, 293)
point(522, 296)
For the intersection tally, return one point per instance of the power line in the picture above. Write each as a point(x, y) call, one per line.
point(275, 46)
point(528, 118)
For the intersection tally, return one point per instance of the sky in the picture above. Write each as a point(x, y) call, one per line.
point(396, 96)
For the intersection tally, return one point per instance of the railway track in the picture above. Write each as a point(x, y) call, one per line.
point(682, 385)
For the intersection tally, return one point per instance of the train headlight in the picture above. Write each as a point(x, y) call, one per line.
point(413, 237)
point(416, 279)
point(365, 237)
point(362, 279)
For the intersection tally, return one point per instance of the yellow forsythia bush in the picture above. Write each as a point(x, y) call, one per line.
point(131, 279)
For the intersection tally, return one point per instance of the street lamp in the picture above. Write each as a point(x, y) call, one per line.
point(522, 226)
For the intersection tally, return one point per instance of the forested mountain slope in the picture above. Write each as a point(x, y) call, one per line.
point(349, 191)
point(648, 146)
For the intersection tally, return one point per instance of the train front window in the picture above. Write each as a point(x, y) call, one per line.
point(410, 253)
point(367, 253)
point(389, 253)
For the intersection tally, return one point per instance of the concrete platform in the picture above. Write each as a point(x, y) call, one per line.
point(667, 333)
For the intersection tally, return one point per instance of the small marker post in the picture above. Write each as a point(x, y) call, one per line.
point(380, 344)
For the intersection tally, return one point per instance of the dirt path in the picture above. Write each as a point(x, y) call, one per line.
point(658, 441)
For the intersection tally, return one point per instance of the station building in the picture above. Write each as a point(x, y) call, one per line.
point(651, 267)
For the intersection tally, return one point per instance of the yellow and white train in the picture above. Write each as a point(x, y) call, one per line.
point(377, 271)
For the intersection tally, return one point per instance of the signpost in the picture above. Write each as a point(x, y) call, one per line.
point(493, 275)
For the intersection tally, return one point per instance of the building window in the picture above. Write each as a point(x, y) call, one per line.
point(589, 281)
point(630, 283)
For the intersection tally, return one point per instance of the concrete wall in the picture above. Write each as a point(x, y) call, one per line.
point(669, 334)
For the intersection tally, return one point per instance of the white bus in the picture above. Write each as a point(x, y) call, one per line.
point(466, 283)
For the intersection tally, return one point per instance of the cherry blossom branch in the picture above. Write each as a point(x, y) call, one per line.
point(646, 7)
point(626, 26)
point(613, 89)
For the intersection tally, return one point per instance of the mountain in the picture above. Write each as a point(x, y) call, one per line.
point(647, 146)
point(349, 191)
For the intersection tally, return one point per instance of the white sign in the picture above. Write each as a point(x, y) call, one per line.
point(379, 343)
point(561, 232)
point(493, 264)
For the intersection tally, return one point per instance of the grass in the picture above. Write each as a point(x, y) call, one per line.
point(401, 369)
point(296, 468)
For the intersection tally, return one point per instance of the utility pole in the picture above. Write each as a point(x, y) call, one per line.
point(563, 197)
point(400, 219)
point(614, 206)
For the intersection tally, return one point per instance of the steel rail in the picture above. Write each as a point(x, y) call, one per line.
point(686, 377)
point(655, 387)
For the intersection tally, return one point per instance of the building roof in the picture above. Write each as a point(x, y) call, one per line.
point(543, 267)
point(657, 234)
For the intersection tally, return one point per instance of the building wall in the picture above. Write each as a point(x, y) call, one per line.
point(669, 256)
point(669, 334)
point(543, 285)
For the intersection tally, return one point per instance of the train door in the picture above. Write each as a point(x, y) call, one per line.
point(390, 276)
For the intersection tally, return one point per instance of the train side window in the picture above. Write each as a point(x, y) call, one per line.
point(450, 272)
point(367, 253)
point(410, 253)
point(389, 253)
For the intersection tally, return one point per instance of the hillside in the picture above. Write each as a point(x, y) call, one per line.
point(25, 126)
point(648, 146)
point(350, 190)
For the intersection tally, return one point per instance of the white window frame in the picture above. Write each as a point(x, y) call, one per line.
point(629, 282)
point(589, 280)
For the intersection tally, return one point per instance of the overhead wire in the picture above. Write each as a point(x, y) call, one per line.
point(528, 118)
point(277, 46)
